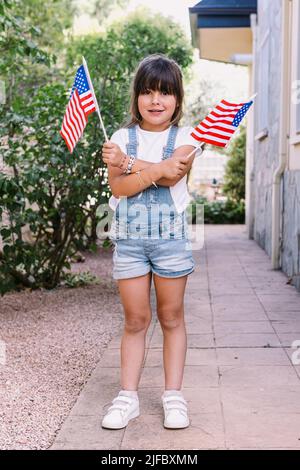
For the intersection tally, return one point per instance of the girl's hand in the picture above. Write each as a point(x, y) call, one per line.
point(112, 154)
point(174, 166)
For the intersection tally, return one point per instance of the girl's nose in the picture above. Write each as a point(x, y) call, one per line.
point(155, 97)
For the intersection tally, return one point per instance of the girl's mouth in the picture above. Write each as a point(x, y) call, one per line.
point(156, 111)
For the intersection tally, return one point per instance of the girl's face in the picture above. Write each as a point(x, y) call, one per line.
point(156, 109)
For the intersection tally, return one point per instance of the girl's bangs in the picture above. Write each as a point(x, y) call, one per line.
point(162, 80)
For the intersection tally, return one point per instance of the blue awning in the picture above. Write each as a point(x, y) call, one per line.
point(224, 14)
point(225, 7)
point(219, 16)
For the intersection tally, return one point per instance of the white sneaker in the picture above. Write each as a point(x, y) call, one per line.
point(175, 410)
point(123, 409)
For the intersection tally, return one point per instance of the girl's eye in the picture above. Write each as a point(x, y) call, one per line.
point(148, 92)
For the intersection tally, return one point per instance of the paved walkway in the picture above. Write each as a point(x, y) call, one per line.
point(240, 384)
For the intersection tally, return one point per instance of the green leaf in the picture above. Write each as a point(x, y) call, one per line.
point(5, 233)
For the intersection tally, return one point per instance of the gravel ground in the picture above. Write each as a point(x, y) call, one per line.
point(53, 340)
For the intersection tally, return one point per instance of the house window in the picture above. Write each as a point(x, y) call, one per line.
point(263, 86)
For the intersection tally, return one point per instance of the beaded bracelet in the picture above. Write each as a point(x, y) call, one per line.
point(130, 164)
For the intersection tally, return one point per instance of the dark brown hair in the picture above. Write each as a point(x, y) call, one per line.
point(159, 73)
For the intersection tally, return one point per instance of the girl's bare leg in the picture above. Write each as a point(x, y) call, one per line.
point(170, 312)
point(135, 297)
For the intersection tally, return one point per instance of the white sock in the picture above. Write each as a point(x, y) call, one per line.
point(129, 393)
point(172, 392)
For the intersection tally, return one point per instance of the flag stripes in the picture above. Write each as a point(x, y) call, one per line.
point(220, 124)
point(80, 105)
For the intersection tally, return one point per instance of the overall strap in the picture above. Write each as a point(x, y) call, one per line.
point(169, 148)
point(131, 147)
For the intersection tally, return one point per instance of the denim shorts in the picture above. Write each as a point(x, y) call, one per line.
point(164, 257)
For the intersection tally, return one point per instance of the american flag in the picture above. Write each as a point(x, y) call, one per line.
point(221, 123)
point(81, 104)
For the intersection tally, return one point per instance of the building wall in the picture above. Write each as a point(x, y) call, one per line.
point(267, 112)
point(266, 147)
point(290, 253)
point(291, 226)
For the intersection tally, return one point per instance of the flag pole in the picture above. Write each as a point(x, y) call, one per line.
point(195, 150)
point(94, 96)
point(252, 97)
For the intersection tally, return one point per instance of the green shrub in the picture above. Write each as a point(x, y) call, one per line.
point(234, 178)
point(219, 212)
point(80, 279)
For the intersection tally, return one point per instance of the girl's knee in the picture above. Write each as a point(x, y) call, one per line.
point(170, 319)
point(137, 324)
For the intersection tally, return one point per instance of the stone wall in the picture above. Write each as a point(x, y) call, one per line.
point(266, 149)
point(290, 253)
point(266, 156)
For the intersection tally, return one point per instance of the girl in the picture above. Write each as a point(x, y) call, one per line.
point(147, 166)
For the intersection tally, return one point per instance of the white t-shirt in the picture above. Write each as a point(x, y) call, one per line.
point(150, 148)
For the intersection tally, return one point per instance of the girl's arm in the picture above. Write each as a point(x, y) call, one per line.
point(128, 185)
point(112, 155)
point(141, 165)
point(181, 151)
point(171, 169)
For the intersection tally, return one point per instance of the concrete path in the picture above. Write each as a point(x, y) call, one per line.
point(241, 386)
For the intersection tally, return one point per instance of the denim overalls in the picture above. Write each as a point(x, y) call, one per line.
point(149, 220)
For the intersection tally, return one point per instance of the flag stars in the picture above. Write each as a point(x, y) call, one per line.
point(80, 83)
